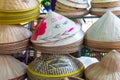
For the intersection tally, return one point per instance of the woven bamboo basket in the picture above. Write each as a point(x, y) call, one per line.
point(17, 5)
point(9, 68)
point(54, 67)
point(73, 14)
point(107, 69)
point(101, 13)
point(105, 4)
point(66, 49)
point(19, 17)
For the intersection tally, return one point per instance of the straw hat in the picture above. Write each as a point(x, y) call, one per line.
point(104, 35)
point(72, 9)
point(101, 11)
point(105, 3)
point(13, 38)
point(81, 4)
point(60, 6)
point(107, 69)
point(19, 17)
point(54, 27)
point(11, 68)
point(68, 45)
point(54, 67)
point(17, 5)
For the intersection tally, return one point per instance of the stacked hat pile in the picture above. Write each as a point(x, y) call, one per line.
point(72, 8)
point(99, 7)
point(18, 11)
point(104, 35)
point(11, 68)
point(107, 69)
point(56, 37)
point(14, 37)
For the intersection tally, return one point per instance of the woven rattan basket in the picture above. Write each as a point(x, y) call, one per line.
point(105, 4)
point(54, 67)
point(66, 49)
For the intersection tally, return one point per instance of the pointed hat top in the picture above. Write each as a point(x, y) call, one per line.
point(107, 29)
point(11, 68)
point(54, 27)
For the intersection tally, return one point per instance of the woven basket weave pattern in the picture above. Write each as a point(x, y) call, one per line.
point(55, 65)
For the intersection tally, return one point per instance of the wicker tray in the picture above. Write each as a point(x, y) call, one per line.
point(71, 48)
point(106, 4)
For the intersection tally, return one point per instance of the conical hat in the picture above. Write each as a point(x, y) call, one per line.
point(13, 33)
point(107, 69)
point(54, 66)
point(82, 4)
point(103, 1)
point(72, 39)
point(17, 5)
point(106, 29)
point(54, 27)
point(11, 68)
point(78, 1)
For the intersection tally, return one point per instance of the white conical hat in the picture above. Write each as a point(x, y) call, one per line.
point(107, 69)
point(106, 29)
point(13, 33)
point(17, 5)
point(103, 1)
point(72, 39)
point(54, 27)
point(11, 68)
point(81, 4)
point(78, 1)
